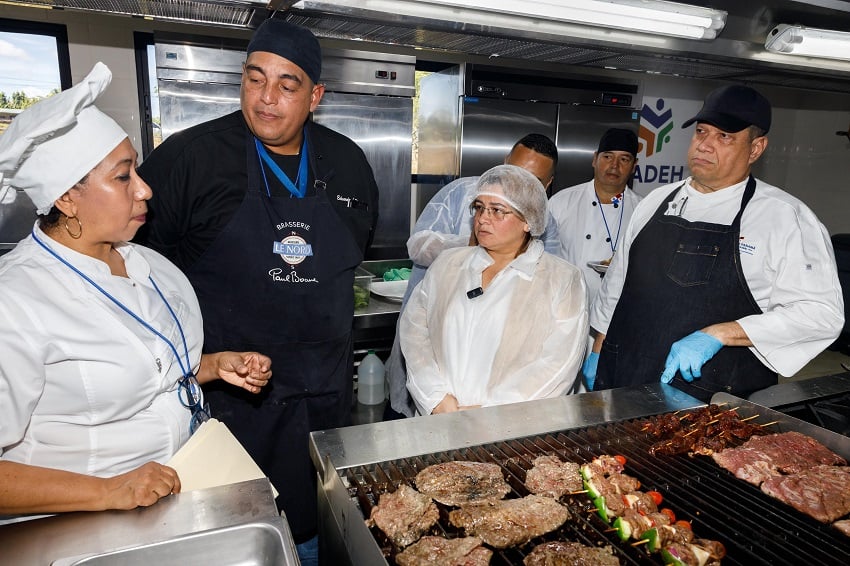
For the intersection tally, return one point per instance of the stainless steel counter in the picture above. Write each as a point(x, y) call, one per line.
point(43, 541)
point(802, 390)
point(377, 308)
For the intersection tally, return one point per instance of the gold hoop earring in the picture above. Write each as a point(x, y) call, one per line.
point(79, 226)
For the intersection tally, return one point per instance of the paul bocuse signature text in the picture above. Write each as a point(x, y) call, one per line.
point(290, 277)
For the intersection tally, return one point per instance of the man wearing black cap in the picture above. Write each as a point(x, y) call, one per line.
point(722, 281)
point(268, 214)
point(591, 216)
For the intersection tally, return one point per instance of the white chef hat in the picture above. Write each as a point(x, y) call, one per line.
point(53, 144)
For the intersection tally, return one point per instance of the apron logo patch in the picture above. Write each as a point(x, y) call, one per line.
point(293, 249)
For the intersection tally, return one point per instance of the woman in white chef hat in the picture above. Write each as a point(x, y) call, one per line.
point(500, 322)
point(100, 338)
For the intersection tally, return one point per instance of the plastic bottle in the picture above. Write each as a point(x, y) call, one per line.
point(370, 380)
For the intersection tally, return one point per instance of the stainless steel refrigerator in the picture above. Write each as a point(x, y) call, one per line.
point(471, 116)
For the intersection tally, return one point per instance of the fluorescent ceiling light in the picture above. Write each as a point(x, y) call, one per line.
point(582, 17)
point(811, 42)
point(648, 16)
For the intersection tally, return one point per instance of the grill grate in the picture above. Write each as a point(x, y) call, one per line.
point(755, 528)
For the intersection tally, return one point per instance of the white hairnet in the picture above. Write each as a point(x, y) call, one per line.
point(519, 189)
point(53, 144)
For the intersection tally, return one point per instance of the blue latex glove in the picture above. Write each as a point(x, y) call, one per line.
point(588, 370)
point(688, 355)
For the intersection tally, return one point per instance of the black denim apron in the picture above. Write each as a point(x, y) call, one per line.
point(294, 307)
point(682, 276)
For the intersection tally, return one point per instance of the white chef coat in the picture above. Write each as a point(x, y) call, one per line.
point(80, 384)
point(583, 232)
point(522, 339)
point(786, 258)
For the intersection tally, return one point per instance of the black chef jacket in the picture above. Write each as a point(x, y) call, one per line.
point(199, 179)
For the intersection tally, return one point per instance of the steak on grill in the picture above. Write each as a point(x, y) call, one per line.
point(404, 515)
point(822, 492)
point(512, 521)
point(559, 553)
point(457, 483)
point(763, 457)
point(431, 550)
point(552, 477)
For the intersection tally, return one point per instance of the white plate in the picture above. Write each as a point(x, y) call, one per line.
point(597, 266)
point(389, 290)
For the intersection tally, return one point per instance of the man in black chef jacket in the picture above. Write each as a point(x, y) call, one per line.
point(268, 214)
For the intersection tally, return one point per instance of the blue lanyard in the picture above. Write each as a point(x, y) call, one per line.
point(301, 178)
point(612, 241)
point(187, 369)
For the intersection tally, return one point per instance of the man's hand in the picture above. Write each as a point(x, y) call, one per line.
point(588, 370)
point(688, 355)
point(249, 370)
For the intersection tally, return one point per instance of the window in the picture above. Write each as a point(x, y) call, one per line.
point(34, 64)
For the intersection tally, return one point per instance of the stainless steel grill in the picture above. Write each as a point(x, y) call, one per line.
point(755, 528)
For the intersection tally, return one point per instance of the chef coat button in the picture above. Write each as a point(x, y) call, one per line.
point(616, 205)
point(607, 239)
point(593, 203)
point(588, 236)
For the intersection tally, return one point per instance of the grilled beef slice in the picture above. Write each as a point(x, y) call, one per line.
point(512, 521)
point(763, 457)
point(439, 551)
point(559, 553)
point(457, 483)
point(404, 515)
point(552, 477)
point(822, 492)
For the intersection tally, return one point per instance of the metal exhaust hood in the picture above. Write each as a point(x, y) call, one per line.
point(736, 54)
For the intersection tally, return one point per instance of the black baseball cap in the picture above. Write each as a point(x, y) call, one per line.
point(618, 139)
point(296, 43)
point(733, 108)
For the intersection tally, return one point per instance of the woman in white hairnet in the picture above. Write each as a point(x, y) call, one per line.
point(499, 322)
point(100, 339)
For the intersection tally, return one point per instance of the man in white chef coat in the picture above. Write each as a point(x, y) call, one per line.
point(592, 216)
point(721, 281)
point(445, 223)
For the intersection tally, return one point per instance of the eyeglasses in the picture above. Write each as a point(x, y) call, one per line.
point(189, 392)
point(498, 214)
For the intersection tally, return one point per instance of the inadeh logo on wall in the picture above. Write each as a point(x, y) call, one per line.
point(655, 127)
point(662, 148)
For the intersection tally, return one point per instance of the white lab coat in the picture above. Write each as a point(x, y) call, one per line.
point(80, 388)
point(582, 231)
point(522, 339)
point(786, 258)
